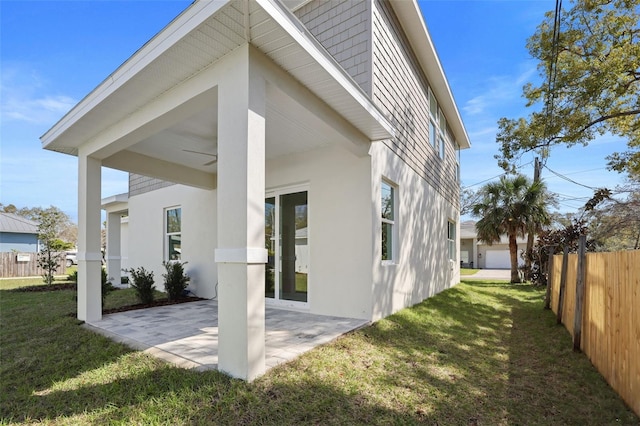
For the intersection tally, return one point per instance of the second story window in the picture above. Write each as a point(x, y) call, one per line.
point(437, 127)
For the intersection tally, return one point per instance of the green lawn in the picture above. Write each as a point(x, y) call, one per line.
point(468, 271)
point(12, 283)
point(481, 353)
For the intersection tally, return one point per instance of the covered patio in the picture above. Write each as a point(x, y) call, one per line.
point(224, 88)
point(187, 334)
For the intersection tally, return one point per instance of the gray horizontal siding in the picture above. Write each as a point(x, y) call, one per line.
point(139, 184)
point(343, 28)
point(400, 89)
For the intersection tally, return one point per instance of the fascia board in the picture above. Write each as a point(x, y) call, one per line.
point(182, 25)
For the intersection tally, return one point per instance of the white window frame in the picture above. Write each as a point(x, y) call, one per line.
point(392, 256)
point(167, 234)
point(437, 127)
point(433, 133)
point(451, 239)
point(457, 171)
point(276, 300)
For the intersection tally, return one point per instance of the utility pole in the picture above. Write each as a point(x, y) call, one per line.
point(531, 227)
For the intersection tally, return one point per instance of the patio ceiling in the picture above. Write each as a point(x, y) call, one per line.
point(194, 42)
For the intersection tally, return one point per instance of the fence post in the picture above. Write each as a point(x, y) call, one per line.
point(563, 283)
point(547, 296)
point(577, 320)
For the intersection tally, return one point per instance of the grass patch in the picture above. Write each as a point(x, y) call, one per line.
point(480, 353)
point(13, 283)
point(468, 271)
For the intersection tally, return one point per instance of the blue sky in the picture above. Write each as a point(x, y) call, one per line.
point(54, 53)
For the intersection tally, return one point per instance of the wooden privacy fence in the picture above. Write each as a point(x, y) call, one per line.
point(25, 265)
point(610, 320)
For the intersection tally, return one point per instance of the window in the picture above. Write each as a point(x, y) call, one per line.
point(173, 234)
point(442, 122)
point(432, 134)
point(451, 239)
point(433, 104)
point(457, 171)
point(388, 207)
point(438, 127)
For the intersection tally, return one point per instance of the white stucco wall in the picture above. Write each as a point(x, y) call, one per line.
point(422, 267)
point(346, 275)
point(146, 234)
point(339, 230)
point(339, 233)
point(124, 243)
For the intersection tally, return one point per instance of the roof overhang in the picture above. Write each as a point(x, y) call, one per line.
point(205, 32)
point(116, 203)
point(416, 30)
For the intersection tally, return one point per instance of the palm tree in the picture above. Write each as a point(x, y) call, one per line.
point(507, 207)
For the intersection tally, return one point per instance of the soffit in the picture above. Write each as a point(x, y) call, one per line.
point(196, 39)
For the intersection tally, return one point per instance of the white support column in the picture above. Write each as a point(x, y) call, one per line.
point(89, 256)
point(474, 258)
point(241, 187)
point(113, 247)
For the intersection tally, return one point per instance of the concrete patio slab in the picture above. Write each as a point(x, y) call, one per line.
point(187, 334)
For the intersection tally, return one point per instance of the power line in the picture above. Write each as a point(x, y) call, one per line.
point(553, 71)
point(494, 177)
point(564, 197)
point(585, 171)
point(570, 180)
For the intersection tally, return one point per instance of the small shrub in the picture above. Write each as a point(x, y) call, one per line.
point(143, 283)
point(175, 280)
point(106, 284)
point(73, 276)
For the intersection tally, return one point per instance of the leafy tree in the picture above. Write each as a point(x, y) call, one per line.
point(615, 222)
point(50, 224)
point(68, 231)
point(555, 240)
point(9, 208)
point(468, 197)
point(506, 208)
point(591, 83)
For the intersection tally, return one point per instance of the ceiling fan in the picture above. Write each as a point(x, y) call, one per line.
point(215, 156)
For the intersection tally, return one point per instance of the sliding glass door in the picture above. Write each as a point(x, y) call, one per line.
point(286, 240)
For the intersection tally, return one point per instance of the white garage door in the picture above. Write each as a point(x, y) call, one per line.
point(498, 259)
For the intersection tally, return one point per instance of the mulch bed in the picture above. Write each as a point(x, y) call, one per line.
point(45, 287)
point(159, 302)
point(72, 286)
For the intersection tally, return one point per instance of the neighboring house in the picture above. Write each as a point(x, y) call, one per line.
point(476, 254)
point(301, 154)
point(18, 234)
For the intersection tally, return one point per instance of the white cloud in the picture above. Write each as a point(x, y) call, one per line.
point(501, 94)
point(475, 106)
point(25, 97)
